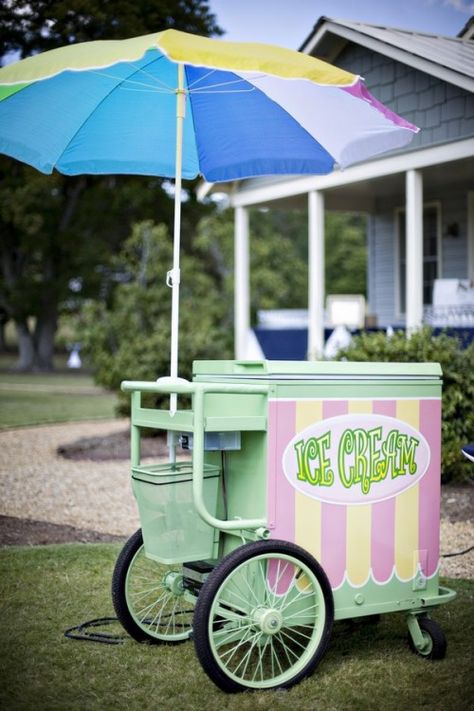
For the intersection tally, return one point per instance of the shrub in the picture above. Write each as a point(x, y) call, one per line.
point(458, 384)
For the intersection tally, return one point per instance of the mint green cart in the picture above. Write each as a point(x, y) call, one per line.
point(296, 494)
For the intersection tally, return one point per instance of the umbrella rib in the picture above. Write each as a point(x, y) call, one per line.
point(83, 123)
point(152, 87)
point(241, 80)
point(155, 79)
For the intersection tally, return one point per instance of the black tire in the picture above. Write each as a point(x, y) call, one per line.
point(289, 606)
point(149, 607)
point(436, 643)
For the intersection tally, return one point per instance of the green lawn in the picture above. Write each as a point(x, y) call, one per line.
point(40, 398)
point(45, 590)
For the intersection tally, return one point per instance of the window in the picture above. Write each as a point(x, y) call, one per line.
point(431, 250)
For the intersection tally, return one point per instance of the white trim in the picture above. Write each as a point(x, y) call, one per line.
point(389, 50)
point(399, 314)
point(414, 250)
point(241, 282)
point(470, 235)
point(409, 160)
point(316, 285)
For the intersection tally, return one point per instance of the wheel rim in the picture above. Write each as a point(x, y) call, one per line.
point(427, 647)
point(155, 599)
point(267, 620)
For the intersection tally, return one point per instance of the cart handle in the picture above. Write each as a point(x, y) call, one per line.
point(180, 386)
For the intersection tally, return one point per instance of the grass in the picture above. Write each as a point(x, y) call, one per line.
point(42, 398)
point(45, 590)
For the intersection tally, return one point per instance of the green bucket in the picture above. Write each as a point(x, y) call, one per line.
point(172, 530)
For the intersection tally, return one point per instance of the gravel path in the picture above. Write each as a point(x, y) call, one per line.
point(95, 496)
point(36, 483)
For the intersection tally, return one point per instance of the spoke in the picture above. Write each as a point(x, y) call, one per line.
point(302, 613)
point(248, 655)
point(137, 595)
point(149, 607)
point(260, 662)
point(229, 615)
point(283, 600)
point(171, 617)
point(220, 640)
point(265, 582)
point(152, 621)
point(280, 577)
point(293, 640)
point(284, 604)
point(238, 596)
point(247, 582)
point(283, 644)
point(245, 639)
point(235, 584)
point(275, 656)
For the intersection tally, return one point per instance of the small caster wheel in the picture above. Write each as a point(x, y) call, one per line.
point(434, 640)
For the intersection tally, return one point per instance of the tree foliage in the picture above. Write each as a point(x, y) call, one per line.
point(128, 337)
point(458, 384)
point(54, 228)
point(30, 27)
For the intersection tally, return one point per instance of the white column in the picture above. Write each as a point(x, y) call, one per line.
point(315, 274)
point(414, 250)
point(241, 282)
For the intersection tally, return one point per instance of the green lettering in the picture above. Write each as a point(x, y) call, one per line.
point(360, 460)
point(310, 453)
point(301, 474)
point(346, 446)
point(407, 446)
point(389, 450)
point(376, 471)
point(326, 477)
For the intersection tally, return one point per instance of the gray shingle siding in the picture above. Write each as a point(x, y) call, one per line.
point(382, 260)
point(444, 112)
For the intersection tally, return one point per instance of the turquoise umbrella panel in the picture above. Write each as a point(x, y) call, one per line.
point(240, 132)
point(121, 119)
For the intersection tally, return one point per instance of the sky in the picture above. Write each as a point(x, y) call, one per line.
point(289, 22)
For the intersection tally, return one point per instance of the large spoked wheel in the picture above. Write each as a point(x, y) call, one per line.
point(148, 596)
point(263, 618)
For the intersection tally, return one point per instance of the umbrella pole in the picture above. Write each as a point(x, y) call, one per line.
point(174, 276)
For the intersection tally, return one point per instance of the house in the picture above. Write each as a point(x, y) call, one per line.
point(419, 200)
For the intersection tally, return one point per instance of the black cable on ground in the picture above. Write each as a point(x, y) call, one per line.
point(81, 632)
point(452, 555)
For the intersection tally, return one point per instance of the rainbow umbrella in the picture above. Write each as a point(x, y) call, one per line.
point(178, 105)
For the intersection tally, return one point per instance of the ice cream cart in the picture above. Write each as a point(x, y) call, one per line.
point(309, 492)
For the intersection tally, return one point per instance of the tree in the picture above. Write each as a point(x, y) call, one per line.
point(128, 336)
point(55, 229)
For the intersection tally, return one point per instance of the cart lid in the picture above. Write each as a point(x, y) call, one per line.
point(285, 369)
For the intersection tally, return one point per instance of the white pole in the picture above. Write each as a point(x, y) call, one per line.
point(242, 282)
point(174, 276)
point(414, 250)
point(315, 274)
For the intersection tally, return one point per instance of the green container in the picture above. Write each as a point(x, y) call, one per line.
point(172, 530)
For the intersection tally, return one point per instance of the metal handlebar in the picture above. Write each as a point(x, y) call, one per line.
point(199, 390)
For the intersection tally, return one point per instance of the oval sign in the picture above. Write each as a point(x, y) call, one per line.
point(356, 459)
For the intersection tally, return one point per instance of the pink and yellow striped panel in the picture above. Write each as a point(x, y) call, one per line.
point(398, 535)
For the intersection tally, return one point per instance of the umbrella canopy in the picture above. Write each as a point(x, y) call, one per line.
point(173, 104)
point(110, 107)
